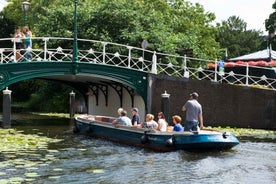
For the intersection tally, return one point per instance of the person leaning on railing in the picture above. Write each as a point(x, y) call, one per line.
point(18, 42)
point(28, 41)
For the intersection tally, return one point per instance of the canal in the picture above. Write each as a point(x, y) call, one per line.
point(74, 159)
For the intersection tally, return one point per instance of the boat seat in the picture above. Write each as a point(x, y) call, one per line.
point(104, 119)
point(97, 118)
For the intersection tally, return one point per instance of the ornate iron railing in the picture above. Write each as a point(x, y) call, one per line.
point(100, 52)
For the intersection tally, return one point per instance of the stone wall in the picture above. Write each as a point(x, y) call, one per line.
point(223, 104)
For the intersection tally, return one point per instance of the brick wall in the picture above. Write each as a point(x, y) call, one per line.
point(223, 104)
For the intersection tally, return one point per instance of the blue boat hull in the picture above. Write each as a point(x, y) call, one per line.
point(155, 140)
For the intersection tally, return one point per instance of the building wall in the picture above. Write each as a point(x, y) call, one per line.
point(113, 104)
point(223, 104)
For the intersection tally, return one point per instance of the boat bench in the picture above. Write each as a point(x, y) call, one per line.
point(104, 119)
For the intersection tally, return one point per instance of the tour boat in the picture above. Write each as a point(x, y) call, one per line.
point(203, 140)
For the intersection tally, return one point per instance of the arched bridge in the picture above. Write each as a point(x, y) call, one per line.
point(53, 58)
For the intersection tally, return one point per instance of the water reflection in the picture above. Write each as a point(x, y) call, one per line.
point(81, 159)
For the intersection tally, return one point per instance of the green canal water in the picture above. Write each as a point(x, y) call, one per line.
point(46, 151)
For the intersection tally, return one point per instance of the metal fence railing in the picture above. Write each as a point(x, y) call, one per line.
point(93, 51)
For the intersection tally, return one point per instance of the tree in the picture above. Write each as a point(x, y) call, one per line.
point(168, 27)
point(234, 36)
point(7, 28)
point(270, 26)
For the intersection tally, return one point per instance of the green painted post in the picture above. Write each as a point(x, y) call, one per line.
point(25, 19)
point(75, 46)
point(25, 8)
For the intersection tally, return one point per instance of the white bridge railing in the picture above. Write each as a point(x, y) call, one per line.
point(93, 51)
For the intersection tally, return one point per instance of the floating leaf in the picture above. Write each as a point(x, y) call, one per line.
point(95, 171)
point(82, 149)
point(16, 179)
point(57, 169)
point(29, 179)
point(54, 177)
point(32, 174)
point(32, 168)
point(4, 181)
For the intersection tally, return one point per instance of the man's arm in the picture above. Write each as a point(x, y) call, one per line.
point(184, 108)
point(200, 119)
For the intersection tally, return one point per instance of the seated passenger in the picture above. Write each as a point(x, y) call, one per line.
point(135, 117)
point(177, 126)
point(162, 123)
point(150, 123)
point(123, 119)
point(120, 111)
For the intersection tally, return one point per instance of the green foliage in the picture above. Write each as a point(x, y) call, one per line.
point(6, 28)
point(270, 25)
point(234, 36)
point(247, 132)
point(42, 95)
point(169, 26)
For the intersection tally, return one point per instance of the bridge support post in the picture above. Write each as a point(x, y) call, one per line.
point(166, 106)
point(72, 105)
point(6, 108)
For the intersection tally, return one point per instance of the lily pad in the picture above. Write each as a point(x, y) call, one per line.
point(16, 180)
point(57, 169)
point(95, 171)
point(54, 177)
point(32, 175)
point(4, 181)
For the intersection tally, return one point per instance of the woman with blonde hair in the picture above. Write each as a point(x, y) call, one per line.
point(150, 123)
point(28, 41)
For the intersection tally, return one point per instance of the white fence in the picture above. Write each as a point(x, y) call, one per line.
point(93, 51)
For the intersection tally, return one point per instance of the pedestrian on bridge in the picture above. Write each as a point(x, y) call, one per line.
point(28, 41)
point(18, 42)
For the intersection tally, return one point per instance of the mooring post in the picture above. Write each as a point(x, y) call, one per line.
point(72, 105)
point(6, 123)
point(166, 105)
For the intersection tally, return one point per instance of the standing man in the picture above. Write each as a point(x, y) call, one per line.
point(194, 116)
point(135, 117)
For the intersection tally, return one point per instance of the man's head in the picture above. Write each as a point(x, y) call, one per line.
point(135, 110)
point(194, 95)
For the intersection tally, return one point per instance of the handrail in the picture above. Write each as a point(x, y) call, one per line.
point(119, 55)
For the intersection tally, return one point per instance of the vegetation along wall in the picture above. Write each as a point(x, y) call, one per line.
point(223, 104)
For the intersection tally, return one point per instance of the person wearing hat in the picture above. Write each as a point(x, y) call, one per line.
point(135, 117)
point(193, 111)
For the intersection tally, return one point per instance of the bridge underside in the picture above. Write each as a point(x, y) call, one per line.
point(78, 75)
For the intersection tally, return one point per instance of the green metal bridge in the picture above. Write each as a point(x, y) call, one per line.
point(104, 62)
